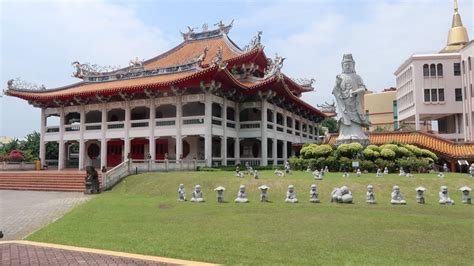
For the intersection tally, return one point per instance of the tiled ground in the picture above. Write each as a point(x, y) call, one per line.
point(20, 254)
point(23, 212)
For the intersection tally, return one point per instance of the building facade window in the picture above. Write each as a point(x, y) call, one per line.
point(458, 94)
point(441, 95)
point(427, 95)
point(426, 70)
point(469, 63)
point(434, 95)
point(440, 70)
point(433, 70)
point(457, 69)
point(463, 66)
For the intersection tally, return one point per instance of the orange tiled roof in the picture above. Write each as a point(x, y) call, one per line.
point(429, 141)
point(190, 49)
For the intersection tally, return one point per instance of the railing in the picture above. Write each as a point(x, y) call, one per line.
point(250, 161)
point(139, 123)
point(69, 128)
point(280, 129)
point(193, 120)
point(269, 126)
point(93, 126)
point(115, 125)
point(289, 131)
point(216, 121)
point(249, 125)
point(114, 175)
point(231, 124)
point(166, 165)
point(52, 129)
point(163, 122)
point(14, 166)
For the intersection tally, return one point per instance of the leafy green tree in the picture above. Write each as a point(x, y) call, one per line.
point(31, 144)
point(14, 144)
point(331, 124)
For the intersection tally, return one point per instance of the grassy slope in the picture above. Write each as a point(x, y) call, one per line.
point(141, 215)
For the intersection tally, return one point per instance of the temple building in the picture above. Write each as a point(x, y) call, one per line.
point(206, 100)
point(434, 90)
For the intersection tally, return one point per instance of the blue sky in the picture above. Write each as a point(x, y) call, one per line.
point(40, 39)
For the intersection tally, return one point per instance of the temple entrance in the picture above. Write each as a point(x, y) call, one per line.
point(161, 147)
point(114, 152)
point(137, 150)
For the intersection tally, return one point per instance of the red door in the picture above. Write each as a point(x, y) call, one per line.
point(138, 149)
point(161, 148)
point(114, 153)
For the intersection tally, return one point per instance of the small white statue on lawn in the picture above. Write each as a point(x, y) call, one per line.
point(239, 174)
point(445, 168)
point(220, 193)
point(308, 169)
point(313, 194)
point(197, 194)
point(471, 170)
point(397, 197)
point(241, 195)
point(263, 193)
point(358, 172)
point(317, 175)
point(466, 194)
point(255, 174)
point(444, 197)
point(385, 170)
point(326, 169)
point(181, 193)
point(420, 195)
point(341, 195)
point(279, 173)
point(291, 195)
point(370, 195)
point(287, 167)
point(440, 175)
point(345, 174)
point(402, 172)
point(379, 173)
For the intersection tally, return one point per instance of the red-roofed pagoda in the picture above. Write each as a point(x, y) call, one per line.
point(206, 99)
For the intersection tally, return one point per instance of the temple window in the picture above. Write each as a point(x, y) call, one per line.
point(230, 114)
point(116, 115)
point(52, 120)
point(166, 111)
point(193, 109)
point(289, 122)
point(216, 110)
point(94, 117)
point(269, 115)
point(279, 119)
point(139, 113)
point(250, 114)
point(72, 118)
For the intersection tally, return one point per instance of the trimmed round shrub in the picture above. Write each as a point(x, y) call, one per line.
point(404, 152)
point(387, 153)
point(429, 154)
point(413, 149)
point(344, 163)
point(373, 147)
point(367, 165)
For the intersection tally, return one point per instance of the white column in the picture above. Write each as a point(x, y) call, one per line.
point(61, 152)
point(179, 139)
point(417, 122)
point(151, 125)
point(82, 143)
point(224, 133)
point(264, 142)
point(103, 140)
point(237, 129)
point(285, 150)
point(208, 129)
point(275, 139)
point(42, 147)
point(127, 130)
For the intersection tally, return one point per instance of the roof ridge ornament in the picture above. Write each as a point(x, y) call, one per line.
point(206, 33)
point(274, 67)
point(255, 42)
point(305, 82)
point(87, 69)
point(20, 85)
point(327, 107)
point(218, 59)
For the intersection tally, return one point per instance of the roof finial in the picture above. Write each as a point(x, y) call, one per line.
point(455, 6)
point(457, 36)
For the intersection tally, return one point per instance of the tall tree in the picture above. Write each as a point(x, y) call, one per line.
point(31, 143)
point(331, 124)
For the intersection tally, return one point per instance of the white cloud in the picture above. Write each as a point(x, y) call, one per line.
point(41, 39)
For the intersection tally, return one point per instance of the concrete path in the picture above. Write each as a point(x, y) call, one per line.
point(23, 212)
point(36, 253)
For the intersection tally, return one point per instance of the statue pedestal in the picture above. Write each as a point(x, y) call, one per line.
point(352, 133)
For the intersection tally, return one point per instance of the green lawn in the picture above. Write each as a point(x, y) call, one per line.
point(142, 215)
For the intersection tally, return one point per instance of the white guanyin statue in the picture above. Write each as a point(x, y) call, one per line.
point(370, 195)
point(420, 195)
point(313, 194)
point(466, 194)
point(241, 195)
point(181, 193)
point(397, 197)
point(349, 92)
point(263, 193)
point(341, 195)
point(220, 193)
point(291, 195)
point(444, 197)
point(197, 194)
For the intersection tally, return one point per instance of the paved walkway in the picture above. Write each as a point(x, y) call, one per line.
point(23, 212)
point(35, 253)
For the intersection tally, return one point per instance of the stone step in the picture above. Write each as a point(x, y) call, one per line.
point(63, 189)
